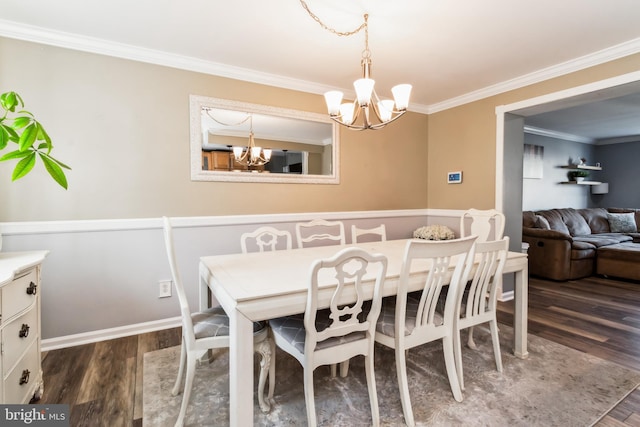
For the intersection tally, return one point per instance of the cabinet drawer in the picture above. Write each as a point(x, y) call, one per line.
point(17, 336)
point(21, 382)
point(19, 294)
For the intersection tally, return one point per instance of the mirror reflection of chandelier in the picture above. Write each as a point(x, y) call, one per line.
point(368, 111)
point(251, 155)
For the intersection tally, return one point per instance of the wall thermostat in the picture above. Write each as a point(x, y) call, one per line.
point(454, 177)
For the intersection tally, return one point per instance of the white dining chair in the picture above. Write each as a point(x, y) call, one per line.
point(479, 223)
point(378, 233)
point(265, 238)
point(478, 300)
point(320, 231)
point(207, 330)
point(476, 222)
point(411, 319)
point(338, 333)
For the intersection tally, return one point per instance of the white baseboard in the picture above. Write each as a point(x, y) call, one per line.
point(108, 334)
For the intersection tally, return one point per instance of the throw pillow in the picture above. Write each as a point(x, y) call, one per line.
point(622, 222)
point(541, 222)
point(434, 232)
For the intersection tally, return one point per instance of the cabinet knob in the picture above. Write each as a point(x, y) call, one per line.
point(25, 377)
point(32, 288)
point(24, 331)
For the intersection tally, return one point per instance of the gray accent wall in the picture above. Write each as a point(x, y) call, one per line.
point(548, 193)
point(620, 167)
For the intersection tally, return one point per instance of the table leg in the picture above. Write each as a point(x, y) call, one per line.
point(240, 369)
point(520, 320)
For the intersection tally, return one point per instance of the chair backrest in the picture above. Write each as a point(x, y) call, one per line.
point(442, 256)
point(379, 231)
point(346, 270)
point(483, 277)
point(265, 238)
point(481, 221)
point(185, 312)
point(320, 229)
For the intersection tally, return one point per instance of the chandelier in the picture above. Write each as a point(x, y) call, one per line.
point(368, 111)
point(249, 155)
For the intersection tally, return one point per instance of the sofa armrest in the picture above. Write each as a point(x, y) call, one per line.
point(539, 233)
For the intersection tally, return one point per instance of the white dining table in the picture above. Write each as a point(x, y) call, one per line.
point(266, 285)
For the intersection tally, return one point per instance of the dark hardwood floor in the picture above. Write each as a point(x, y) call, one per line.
point(102, 382)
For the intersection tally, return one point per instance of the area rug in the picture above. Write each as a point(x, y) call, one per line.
point(555, 386)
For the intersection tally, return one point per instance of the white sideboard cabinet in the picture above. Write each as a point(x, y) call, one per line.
point(20, 360)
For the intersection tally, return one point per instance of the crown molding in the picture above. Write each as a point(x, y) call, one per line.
point(46, 36)
point(609, 54)
point(558, 135)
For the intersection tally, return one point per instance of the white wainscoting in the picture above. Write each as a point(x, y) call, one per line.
point(100, 280)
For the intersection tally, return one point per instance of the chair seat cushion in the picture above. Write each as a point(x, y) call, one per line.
point(292, 329)
point(214, 322)
point(386, 321)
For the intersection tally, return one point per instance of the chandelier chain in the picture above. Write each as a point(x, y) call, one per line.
point(336, 32)
point(208, 112)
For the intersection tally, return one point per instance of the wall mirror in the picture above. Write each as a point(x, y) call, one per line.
point(301, 147)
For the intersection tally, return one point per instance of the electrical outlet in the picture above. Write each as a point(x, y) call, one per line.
point(165, 288)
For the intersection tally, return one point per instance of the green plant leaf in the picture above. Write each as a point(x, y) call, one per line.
point(21, 121)
point(28, 137)
point(56, 160)
point(54, 170)
point(4, 137)
point(15, 155)
point(10, 100)
point(24, 166)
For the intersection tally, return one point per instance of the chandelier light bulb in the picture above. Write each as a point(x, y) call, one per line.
point(237, 152)
point(346, 112)
point(385, 109)
point(333, 98)
point(401, 94)
point(364, 89)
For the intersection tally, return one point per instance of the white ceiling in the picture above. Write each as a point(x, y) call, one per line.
point(451, 51)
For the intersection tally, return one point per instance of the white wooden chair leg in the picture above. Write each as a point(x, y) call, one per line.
point(470, 342)
point(403, 384)
point(344, 368)
point(272, 371)
point(183, 361)
point(450, 364)
point(333, 370)
point(264, 349)
point(457, 352)
point(308, 397)
point(188, 384)
point(371, 384)
point(496, 344)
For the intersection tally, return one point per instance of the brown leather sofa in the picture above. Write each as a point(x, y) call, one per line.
point(564, 243)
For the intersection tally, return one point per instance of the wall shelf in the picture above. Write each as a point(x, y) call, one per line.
point(585, 167)
point(582, 182)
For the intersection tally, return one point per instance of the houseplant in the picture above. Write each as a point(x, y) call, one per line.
point(32, 141)
point(578, 175)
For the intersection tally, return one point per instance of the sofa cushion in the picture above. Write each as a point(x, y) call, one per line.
point(596, 219)
point(636, 212)
point(603, 239)
point(554, 217)
point(575, 222)
point(622, 222)
point(541, 222)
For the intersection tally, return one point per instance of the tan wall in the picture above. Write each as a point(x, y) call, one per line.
point(123, 126)
point(464, 138)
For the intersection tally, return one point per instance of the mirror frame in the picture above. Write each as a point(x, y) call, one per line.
point(196, 103)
